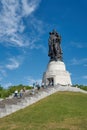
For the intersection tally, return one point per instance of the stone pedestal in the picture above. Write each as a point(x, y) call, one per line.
point(56, 74)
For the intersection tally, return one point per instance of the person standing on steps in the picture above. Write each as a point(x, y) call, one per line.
point(16, 93)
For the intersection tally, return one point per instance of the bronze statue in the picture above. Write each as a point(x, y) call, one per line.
point(55, 52)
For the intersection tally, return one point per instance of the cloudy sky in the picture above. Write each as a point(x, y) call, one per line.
point(24, 32)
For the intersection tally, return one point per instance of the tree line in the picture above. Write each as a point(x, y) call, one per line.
point(6, 92)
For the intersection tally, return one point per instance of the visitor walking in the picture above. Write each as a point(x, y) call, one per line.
point(16, 93)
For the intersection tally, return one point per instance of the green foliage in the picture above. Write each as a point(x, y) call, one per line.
point(4, 93)
point(60, 111)
point(1, 88)
point(84, 88)
point(18, 87)
point(81, 86)
point(7, 92)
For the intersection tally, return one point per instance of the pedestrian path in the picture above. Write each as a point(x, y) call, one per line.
point(10, 105)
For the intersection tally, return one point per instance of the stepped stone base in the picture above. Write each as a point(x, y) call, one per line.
point(56, 74)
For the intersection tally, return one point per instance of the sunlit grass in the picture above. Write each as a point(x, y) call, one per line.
point(60, 111)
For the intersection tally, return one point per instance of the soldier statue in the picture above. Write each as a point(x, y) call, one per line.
point(55, 52)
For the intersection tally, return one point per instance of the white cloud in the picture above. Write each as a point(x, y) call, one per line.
point(85, 65)
point(13, 64)
point(78, 44)
point(29, 6)
point(2, 71)
point(37, 25)
point(6, 85)
point(31, 80)
point(84, 77)
point(1, 78)
point(75, 61)
point(12, 26)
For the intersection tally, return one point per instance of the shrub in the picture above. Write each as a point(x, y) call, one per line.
point(7, 92)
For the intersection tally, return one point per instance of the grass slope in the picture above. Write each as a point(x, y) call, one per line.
point(60, 111)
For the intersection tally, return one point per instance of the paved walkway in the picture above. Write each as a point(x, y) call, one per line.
point(10, 105)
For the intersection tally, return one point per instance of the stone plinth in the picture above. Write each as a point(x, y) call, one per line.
point(56, 74)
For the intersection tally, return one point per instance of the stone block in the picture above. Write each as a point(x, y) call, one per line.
point(56, 74)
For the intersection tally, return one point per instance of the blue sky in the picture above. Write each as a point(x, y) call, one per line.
point(24, 32)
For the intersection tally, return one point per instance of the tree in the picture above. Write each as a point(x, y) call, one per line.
point(1, 88)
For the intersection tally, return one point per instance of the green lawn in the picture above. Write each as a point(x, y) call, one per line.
point(60, 111)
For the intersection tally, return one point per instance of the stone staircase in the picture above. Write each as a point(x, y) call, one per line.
point(10, 105)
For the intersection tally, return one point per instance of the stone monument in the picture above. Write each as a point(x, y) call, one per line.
point(56, 71)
